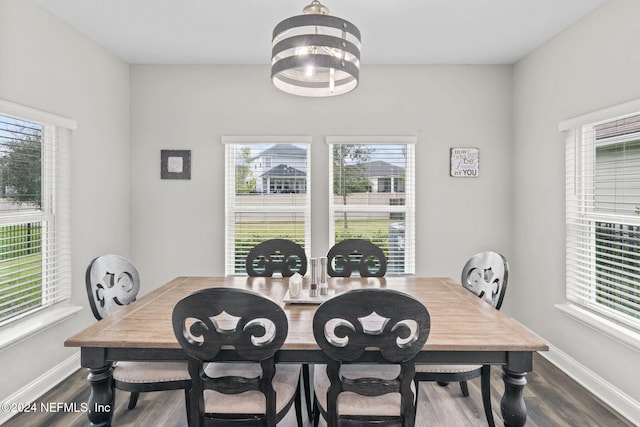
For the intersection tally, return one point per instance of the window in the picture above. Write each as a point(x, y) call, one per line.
point(267, 194)
point(373, 195)
point(34, 211)
point(603, 217)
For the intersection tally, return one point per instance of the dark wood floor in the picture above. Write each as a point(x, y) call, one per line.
point(552, 398)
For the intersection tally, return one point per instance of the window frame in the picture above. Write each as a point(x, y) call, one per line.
point(580, 211)
point(55, 210)
point(231, 207)
point(408, 185)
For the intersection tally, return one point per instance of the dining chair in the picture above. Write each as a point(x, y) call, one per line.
point(486, 275)
point(358, 255)
point(211, 322)
point(286, 257)
point(354, 327)
point(276, 255)
point(112, 281)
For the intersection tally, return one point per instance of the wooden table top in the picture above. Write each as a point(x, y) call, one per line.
point(460, 321)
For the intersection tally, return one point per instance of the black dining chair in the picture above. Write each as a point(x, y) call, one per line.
point(356, 255)
point(370, 337)
point(213, 321)
point(286, 257)
point(112, 282)
point(486, 275)
point(276, 256)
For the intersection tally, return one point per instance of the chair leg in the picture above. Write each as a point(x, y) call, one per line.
point(464, 388)
point(316, 414)
point(307, 390)
point(133, 400)
point(187, 403)
point(415, 401)
point(298, 405)
point(485, 386)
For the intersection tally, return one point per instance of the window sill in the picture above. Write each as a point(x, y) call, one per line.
point(38, 322)
point(623, 335)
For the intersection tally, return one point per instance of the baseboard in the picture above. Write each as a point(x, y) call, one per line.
point(36, 388)
point(612, 396)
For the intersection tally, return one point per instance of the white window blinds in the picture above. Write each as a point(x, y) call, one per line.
point(603, 217)
point(372, 195)
point(268, 194)
point(34, 210)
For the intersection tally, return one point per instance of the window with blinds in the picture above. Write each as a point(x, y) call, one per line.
point(372, 185)
point(34, 212)
point(268, 194)
point(603, 218)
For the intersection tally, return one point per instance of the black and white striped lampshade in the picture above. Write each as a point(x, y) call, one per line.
point(315, 54)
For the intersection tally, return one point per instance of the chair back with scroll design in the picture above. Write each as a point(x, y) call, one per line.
point(112, 281)
point(486, 275)
point(356, 255)
point(352, 327)
point(276, 255)
point(245, 323)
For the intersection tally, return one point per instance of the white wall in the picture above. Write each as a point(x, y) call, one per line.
point(592, 65)
point(177, 227)
point(45, 65)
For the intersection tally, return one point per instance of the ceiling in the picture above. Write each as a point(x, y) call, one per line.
point(393, 31)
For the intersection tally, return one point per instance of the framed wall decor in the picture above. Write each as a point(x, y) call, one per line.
point(465, 162)
point(175, 164)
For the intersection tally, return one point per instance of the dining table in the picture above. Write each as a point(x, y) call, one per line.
point(464, 330)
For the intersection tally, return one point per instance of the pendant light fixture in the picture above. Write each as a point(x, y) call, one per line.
point(315, 54)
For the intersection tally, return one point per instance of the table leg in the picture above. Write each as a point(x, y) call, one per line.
point(101, 400)
point(514, 411)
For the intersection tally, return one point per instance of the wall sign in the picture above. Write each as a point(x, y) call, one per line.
point(465, 162)
point(175, 164)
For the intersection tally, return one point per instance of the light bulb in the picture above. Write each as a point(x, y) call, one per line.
point(310, 71)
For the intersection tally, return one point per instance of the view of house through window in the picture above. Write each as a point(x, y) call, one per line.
point(603, 218)
point(267, 194)
point(373, 195)
point(21, 216)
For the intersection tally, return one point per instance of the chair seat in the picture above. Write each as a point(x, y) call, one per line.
point(447, 369)
point(355, 404)
point(150, 372)
point(285, 383)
